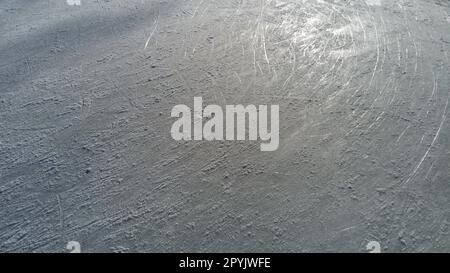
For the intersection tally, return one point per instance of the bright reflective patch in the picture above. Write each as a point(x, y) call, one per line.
point(74, 2)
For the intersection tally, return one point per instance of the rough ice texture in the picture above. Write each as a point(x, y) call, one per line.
point(86, 154)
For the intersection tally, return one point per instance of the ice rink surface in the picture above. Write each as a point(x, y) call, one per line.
point(86, 91)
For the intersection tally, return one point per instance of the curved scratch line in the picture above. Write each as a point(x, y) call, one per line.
point(154, 29)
